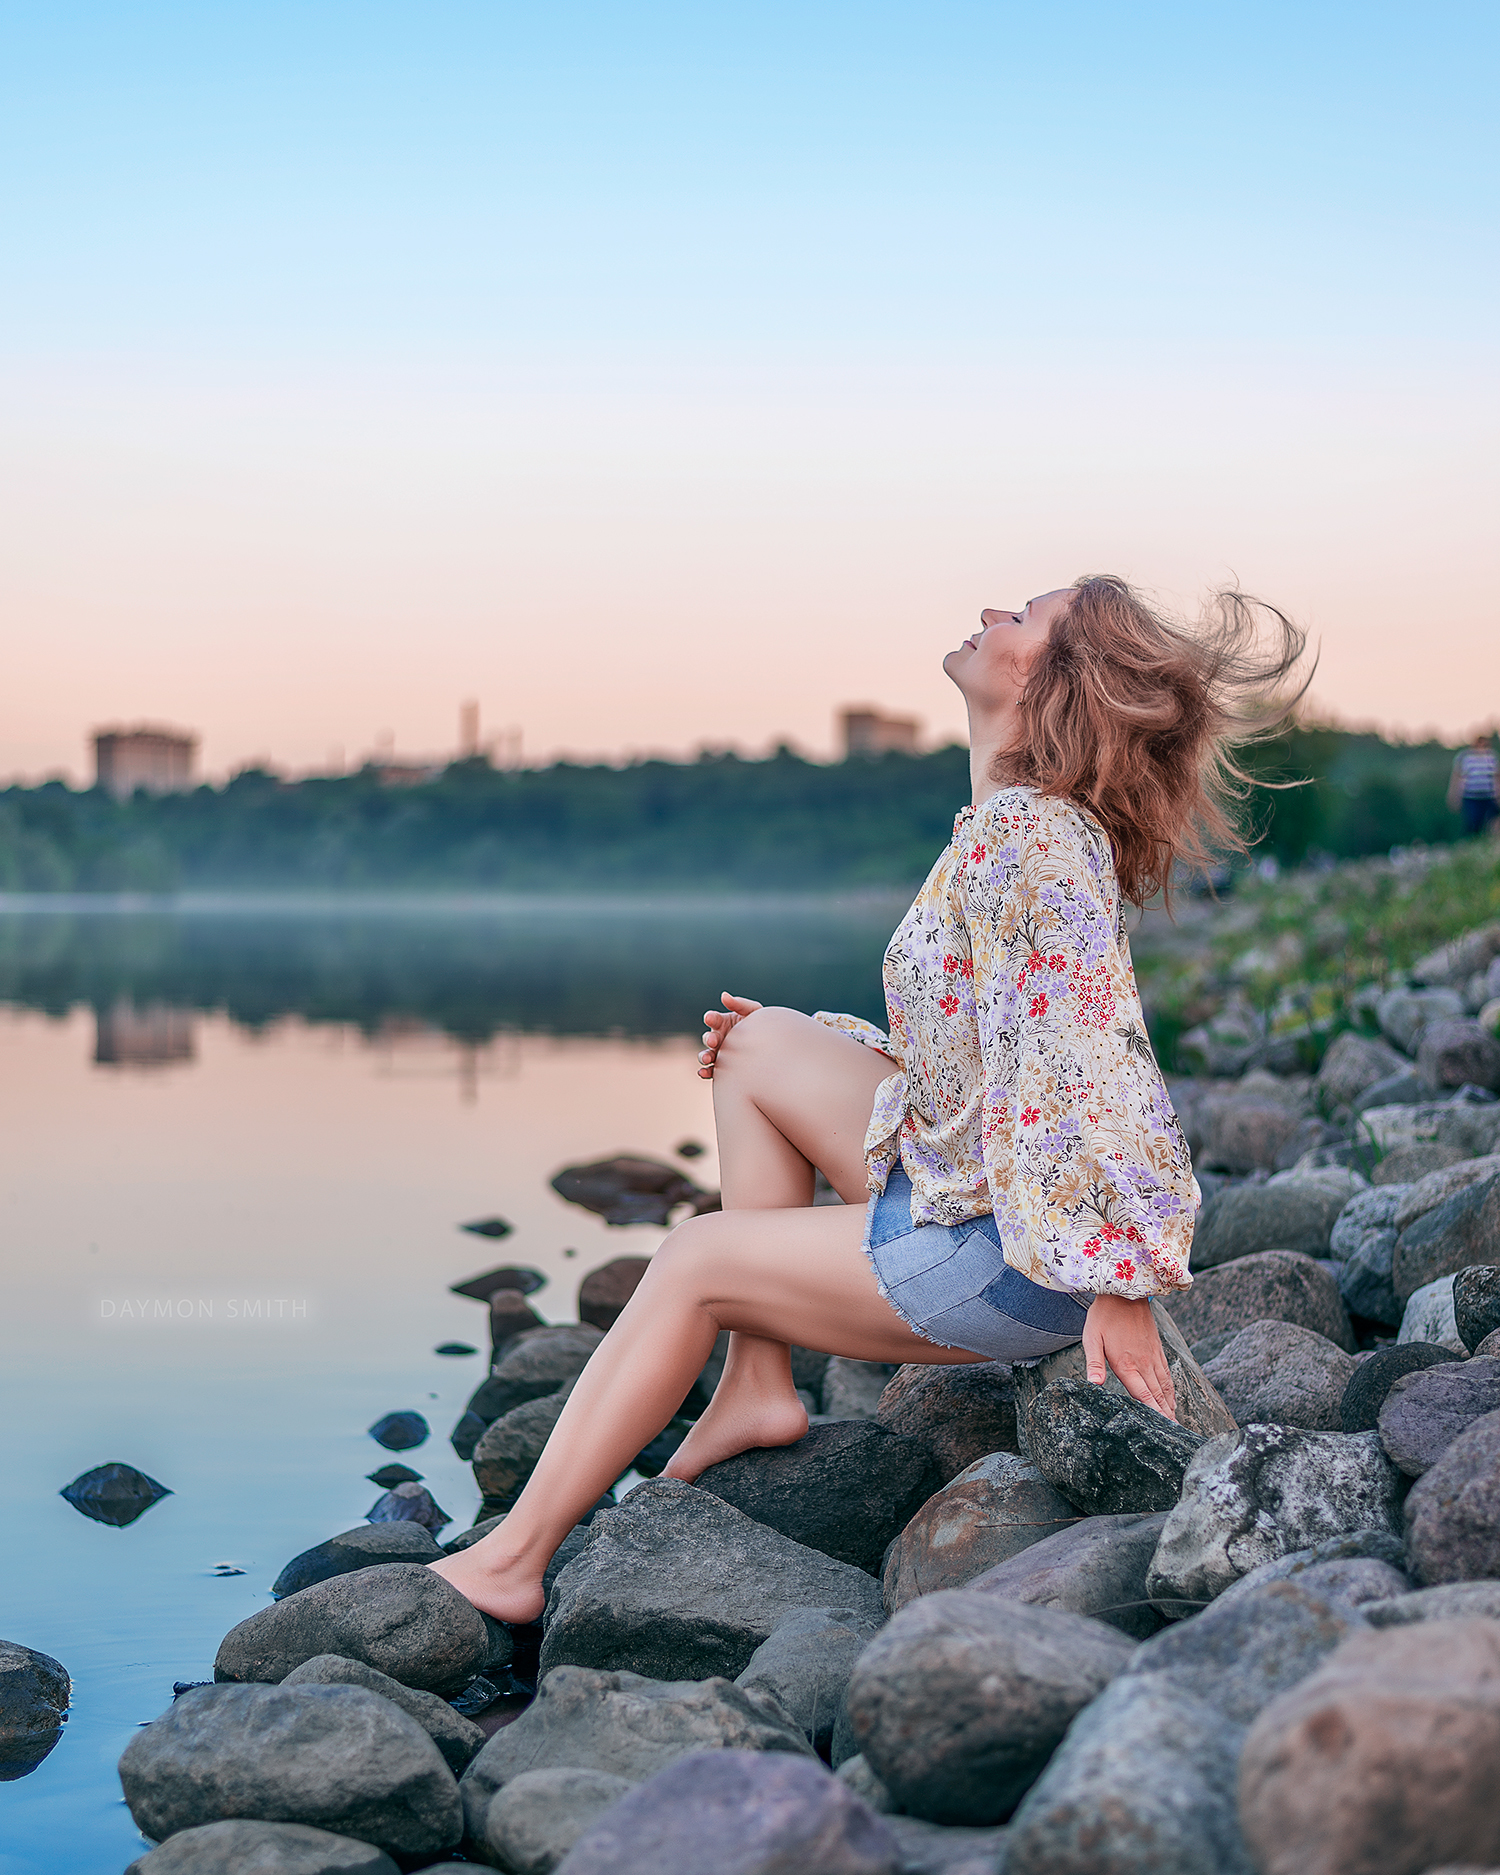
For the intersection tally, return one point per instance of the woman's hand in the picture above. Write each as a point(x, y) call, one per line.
point(1120, 1336)
point(719, 1024)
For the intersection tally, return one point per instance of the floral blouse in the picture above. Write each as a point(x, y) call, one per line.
point(1027, 1086)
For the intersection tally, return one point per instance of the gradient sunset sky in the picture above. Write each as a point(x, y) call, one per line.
point(663, 375)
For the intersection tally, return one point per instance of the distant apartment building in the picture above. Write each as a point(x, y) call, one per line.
point(143, 756)
point(868, 731)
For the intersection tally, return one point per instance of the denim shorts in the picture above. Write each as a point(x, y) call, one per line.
point(951, 1284)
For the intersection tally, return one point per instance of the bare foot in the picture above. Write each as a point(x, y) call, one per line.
point(737, 1426)
point(502, 1586)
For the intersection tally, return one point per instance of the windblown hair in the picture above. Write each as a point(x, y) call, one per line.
point(1136, 716)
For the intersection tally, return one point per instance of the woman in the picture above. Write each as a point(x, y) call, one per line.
point(1032, 1187)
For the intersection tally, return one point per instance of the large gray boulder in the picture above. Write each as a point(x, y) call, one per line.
point(362, 1547)
point(1384, 1759)
point(1275, 1373)
point(34, 1694)
point(533, 1364)
point(1425, 1411)
point(1247, 1133)
point(1426, 1194)
point(1462, 1230)
point(401, 1619)
point(1457, 1052)
point(1143, 1784)
point(239, 1847)
point(1276, 1286)
point(1373, 1378)
point(456, 1737)
point(1199, 1408)
point(805, 1665)
point(1292, 1211)
point(961, 1699)
point(1402, 1013)
point(736, 1813)
point(1353, 1063)
point(535, 1819)
point(993, 1510)
point(1261, 1493)
point(336, 1758)
point(1097, 1568)
point(1365, 1566)
point(626, 1725)
point(958, 1413)
point(846, 1489)
point(1105, 1454)
point(677, 1584)
point(1363, 1240)
point(1453, 1510)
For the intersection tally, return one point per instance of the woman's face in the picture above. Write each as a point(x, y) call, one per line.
point(991, 667)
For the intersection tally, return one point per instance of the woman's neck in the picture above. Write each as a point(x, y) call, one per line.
point(991, 735)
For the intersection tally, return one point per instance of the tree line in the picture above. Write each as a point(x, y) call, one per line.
point(718, 821)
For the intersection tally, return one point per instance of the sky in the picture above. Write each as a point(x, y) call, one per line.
point(667, 376)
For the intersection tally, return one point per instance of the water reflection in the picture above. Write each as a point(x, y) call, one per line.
point(402, 969)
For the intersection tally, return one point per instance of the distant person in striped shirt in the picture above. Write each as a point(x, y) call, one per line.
point(1474, 790)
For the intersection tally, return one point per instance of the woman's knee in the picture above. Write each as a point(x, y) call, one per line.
point(686, 1254)
point(765, 1032)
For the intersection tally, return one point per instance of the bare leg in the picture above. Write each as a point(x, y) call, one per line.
point(789, 1094)
point(774, 1275)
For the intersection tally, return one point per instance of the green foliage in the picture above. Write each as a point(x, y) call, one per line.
point(719, 821)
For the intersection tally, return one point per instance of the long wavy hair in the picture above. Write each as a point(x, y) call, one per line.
point(1136, 716)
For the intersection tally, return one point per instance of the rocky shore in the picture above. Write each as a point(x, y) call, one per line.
point(978, 1619)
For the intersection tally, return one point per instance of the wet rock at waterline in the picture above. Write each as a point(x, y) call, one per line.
point(399, 1432)
point(490, 1283)
point(1097, 1567)
point(738, 1813)
point(846, 1488)
point(632, 1190)
point(805, 1665)
point(455, 1349)
point(991, 1511)
point(389, 1476)
point(34, 1695)
point(360, 1548)
point(1382, 1760)
point(338, 1758)
point(959, 1701)
point(409, 1503)
point(240, 1847)
point(535, 1819)
point(510, 1315)
point(489, 1227)
point(114, 1494)
point(1250, 1497)
point(1107, 1454)
point(400, 1618)
point(457, 1738)
point(624, 1724)
point(677, 1584)
point(959, 1413)
point(603, 1293)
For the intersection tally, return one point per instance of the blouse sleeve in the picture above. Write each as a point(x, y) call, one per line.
point(1088, 1170)
point(858, 1029)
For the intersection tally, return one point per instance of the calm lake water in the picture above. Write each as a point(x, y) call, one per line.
point(239, 1142)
